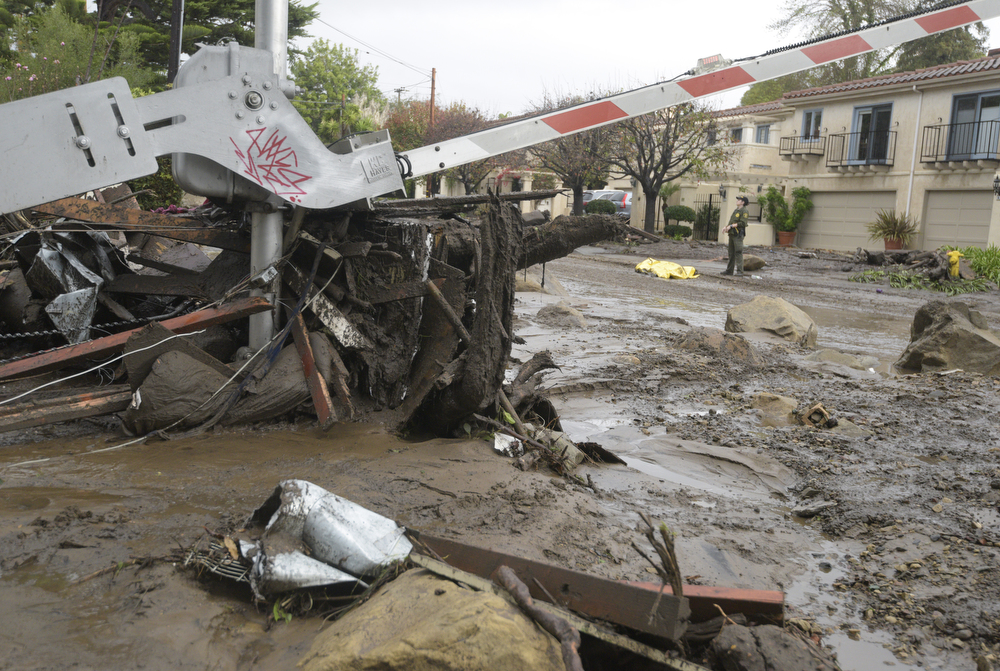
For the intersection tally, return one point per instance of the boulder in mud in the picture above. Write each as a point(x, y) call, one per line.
point(561, 316)
point(775, 410)
point(719, 342)
point(751, 262)
point(843, 359)
point(420, 621)
point(773, 315)
point(534, 280)
point(945, 336)
point(767, 648)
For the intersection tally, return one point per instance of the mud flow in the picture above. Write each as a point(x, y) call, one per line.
point(881, 531)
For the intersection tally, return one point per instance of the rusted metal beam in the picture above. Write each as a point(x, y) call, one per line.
point(317, 385)
point(584, 626)
point(63, 408)
point(112, 344)
point(140, 221)
point(757, 604)
point(609, 600)
point(157, 285)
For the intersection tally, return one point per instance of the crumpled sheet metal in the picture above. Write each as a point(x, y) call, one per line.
point(287, 571)
point(668, 270)
point(337, 532)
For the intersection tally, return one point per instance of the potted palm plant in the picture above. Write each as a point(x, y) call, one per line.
point(896, 230)
point(784, 217)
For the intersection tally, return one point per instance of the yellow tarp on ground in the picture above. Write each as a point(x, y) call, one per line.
point(668, 270)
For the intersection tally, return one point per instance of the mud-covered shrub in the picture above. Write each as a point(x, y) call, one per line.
point(600, 207)
point(673, 231)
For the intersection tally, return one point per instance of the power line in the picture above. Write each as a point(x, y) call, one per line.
point(426, 73)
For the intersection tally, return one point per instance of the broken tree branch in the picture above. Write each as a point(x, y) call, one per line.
point(568, 637)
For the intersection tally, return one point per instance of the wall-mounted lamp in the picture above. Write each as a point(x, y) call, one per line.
point(722, 191)
point(760, 187)
point(996, 187)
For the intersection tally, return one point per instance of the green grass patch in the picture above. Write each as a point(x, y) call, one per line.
point(905, 279)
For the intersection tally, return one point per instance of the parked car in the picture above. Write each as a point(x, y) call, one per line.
point(622, 199)
point(592, 195)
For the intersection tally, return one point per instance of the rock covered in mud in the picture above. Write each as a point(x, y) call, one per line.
point(751, 262)
point(773, 315)
point(561, 316)
point(420, 621)
point(767, 648)
point(775, 410)
point(945, 336)
point(718, 341)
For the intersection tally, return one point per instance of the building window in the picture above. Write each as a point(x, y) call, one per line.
point(711, 137)
point(812, 124)
point(764, 134)
point(975, 126)
point(736, 134)
point(871, 133)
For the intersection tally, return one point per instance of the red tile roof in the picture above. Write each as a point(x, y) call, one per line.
point(936, 72)
point(759, 108)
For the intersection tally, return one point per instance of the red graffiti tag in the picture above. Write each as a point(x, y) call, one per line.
point(272, 164)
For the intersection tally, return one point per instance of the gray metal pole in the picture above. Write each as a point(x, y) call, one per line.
point(271, 34)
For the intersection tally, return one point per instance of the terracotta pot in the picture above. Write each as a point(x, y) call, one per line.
point(786, 238)
point(892, 244)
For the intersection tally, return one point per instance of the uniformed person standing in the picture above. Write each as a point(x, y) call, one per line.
point(737, 230)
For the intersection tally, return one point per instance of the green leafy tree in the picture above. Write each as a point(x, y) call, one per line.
point(53, 52)
point(782, 215)
point(579, 160)
point(333, 80)
point(666, 145)
point(208, 21)
point(817, 18)
point(407, 124)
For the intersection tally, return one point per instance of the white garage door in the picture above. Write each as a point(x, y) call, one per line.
point(957, 218)
point(838, 219)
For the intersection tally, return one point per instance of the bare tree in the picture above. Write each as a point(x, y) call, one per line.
point(662, 146)
point(580, 160)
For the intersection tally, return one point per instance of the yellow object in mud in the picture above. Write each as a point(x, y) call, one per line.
point(668, 270)
point(953, 257)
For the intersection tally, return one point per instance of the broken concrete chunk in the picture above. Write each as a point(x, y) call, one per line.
point(773, 315)
point(740, 648)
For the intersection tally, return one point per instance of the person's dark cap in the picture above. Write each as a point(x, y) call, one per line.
point(746, 201)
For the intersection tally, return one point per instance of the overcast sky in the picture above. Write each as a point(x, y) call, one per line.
point(503, 56)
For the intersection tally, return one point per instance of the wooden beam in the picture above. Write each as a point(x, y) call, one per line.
point(64, 408)
point(317, 385)
point(113, 344)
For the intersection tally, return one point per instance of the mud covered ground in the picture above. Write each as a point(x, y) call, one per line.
point(899, 568)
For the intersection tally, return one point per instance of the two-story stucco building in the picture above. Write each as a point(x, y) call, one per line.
point(924, 143)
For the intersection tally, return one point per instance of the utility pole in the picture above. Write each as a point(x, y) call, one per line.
point(399, 95)
point(176, 37)
point(433, 81)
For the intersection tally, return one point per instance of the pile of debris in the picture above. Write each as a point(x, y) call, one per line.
point(400, 598)
point(400, 315)
point(937, 265)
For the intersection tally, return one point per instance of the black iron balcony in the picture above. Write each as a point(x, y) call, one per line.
point(972, 141)
point(801, 146)
point(871, 148)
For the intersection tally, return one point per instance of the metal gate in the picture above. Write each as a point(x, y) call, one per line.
point(707, 209)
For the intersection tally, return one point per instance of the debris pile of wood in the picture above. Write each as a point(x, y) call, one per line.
point(933, 264)
point(402, 315)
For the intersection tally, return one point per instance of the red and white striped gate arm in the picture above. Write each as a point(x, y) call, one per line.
point(550, 126)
